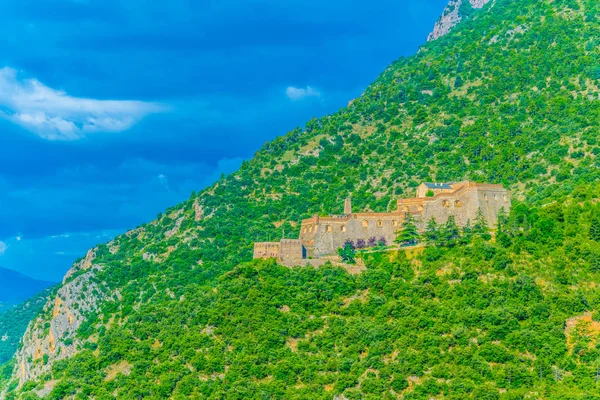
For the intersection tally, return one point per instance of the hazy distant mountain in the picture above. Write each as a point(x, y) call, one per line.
point(16, 287)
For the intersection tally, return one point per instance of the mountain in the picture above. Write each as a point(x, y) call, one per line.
point(177, 307)
point(16, 287)
point(453, 14)
point(14, 321)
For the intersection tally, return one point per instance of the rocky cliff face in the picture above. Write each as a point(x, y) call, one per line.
point(451, 17)
point(47, 342)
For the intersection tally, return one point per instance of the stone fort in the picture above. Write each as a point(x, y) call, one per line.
point(322, 236)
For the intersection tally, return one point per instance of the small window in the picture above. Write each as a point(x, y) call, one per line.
point(457, 203)
point(380, 223)
point(329, 228)
point(365, 224)
point(405, 209)
point(505, 198)
point(310, 229)
point(394, 223)
point(421, 208)
point(485, 197)
point(495, 198)
point(344, 228)
point(446, 203)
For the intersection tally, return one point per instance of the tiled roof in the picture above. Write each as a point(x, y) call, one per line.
point(438, 185)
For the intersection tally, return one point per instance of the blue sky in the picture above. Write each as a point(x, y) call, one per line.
point(112, 111)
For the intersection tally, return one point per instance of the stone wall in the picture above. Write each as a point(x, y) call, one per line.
point(292, 252)
point(267, 250)
point(466, 202)
point(323, 236)
point(286, 251)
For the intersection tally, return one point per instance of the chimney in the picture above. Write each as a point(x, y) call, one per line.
point(348, 206)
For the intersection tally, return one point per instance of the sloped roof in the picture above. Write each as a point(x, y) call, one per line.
point(431, 185)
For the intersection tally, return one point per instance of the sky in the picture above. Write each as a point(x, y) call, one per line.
point(112, 111)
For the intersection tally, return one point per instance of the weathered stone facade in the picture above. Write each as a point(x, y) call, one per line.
point(287, 251)
point(463, 201)
point(322, 236)
point(267, 249)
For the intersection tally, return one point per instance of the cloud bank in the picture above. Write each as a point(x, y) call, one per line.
point(54, 115)
point(294, 93)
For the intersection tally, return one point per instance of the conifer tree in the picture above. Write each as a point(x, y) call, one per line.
point(408, 235)
point(467, 232)
point(502, 232)
point(502, 220)
point(432, 232)
point(481, 227)
point(450, 233)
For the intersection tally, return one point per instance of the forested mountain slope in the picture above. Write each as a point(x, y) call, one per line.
point(176, 308)
point(14, 321)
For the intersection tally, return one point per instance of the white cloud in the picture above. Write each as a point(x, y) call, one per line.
point(295, 93)
point(54, 115)
point(3, 248)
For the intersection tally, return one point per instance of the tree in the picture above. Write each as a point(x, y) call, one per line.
point(408, 235)
point(449, 233)
point(348, 252)
point(595, 227)
point(502, 219)
point(481, 228)
point(467, 232)
point(502, 234)
point(432, 232)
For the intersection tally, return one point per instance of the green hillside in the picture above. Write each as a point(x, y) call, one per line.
point(14, 321)
point(178, 309)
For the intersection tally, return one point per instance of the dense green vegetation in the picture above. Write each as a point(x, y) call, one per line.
point(5, 307)
point(16, 309)
point(510, 96)
point(467, 321)
point(14, 321)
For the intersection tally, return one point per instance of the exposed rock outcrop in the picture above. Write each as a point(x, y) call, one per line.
point(451, 17)
point(52, 335)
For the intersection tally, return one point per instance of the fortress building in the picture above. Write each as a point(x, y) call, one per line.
point(322, 236)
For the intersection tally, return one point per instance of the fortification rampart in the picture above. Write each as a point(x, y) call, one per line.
point(321, 236)
point(326, 235)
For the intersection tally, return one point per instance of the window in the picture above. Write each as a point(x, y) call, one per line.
point(421, 208)
point(344, 228)
point(405, 209)
point(446, 203)
point(394, 223)
point(495, 198)
point(310, 229)
point(365, 224)
point(505, 198)
point(328, 229)
point(380, 223)
point(457, 203)
point(485, 197)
